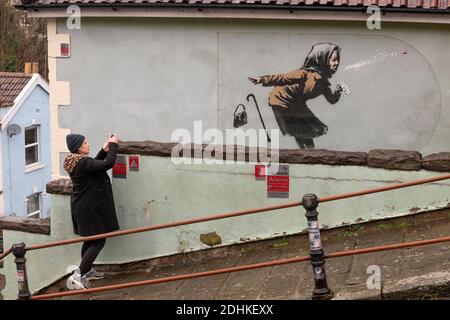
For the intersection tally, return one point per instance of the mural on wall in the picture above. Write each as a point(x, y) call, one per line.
point(395, 100)
point(292, 90)
point(302, 83)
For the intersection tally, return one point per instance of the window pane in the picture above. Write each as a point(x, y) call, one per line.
point(30, 135)
point(31, 155)
point(33, 203)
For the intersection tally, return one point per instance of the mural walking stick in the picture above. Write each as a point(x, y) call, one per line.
point(257, 107)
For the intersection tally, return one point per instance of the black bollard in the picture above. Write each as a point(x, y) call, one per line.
point(18, 251)
point(321, 290)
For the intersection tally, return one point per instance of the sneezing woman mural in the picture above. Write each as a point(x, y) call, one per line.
point(292, 90)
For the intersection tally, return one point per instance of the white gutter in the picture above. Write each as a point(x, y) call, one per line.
point(223, 13)
point(35, 80)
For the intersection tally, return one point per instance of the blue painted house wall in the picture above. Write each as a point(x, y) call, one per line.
point(17, 183)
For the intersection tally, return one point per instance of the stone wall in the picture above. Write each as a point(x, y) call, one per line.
point(29, 225)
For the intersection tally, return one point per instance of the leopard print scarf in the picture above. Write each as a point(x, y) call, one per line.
point(71, 161)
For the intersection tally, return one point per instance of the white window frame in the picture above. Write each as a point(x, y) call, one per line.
point(37, 212)
point(32, 145)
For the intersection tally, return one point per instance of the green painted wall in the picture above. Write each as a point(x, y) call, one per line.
point(172, 72)
point(162, 192)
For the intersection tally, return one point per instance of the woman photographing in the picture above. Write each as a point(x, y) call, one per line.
point(91, 202)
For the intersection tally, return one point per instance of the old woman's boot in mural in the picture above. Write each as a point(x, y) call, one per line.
point(305, 143)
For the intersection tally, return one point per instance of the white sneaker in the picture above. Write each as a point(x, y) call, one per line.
point(94, 275)
point(77, 282)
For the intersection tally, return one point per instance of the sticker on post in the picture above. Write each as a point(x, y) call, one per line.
point(315, 242)
point(20, 275)
point(313, 225)
point(319, 276)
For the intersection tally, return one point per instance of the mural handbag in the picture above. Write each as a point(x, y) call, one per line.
point(239, 118)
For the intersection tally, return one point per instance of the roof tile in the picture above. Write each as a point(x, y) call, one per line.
point(425, 4)
point(11, 84)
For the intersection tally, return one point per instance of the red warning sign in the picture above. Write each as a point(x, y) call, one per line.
point(133, 163)
point(120, 167)
point(120, 170)
point(260, 172)
point(278, 186)
point(65, 52)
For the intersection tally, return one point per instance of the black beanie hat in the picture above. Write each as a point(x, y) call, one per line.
point(74, 142)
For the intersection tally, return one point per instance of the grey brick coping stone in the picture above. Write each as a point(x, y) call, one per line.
point(394, 159)
point(29, 225)
point(379, 158)
point(437, 162)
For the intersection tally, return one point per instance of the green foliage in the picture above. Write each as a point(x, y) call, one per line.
point(352, 231)
point(402, 225)
point(389, 226)
point(281, 243)
point(384, 226)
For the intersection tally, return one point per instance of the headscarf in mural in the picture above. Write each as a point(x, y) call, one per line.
point(292, 90)
point(318, 58)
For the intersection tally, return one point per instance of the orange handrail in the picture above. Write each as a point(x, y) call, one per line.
point(240, 213)
point(163, 226)
point(385, 188)
point(244, 212)
point(388, 247)
point(6, 253)
point(241, 268)
point(234, 214)
point(173, 278)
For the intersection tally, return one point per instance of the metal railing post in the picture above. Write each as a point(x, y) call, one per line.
point(321, 290)
point(18, 251)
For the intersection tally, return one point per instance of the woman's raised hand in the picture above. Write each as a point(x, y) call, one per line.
point(106, 146)
point(114, 139)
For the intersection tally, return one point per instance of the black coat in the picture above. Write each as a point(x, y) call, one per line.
point(91, 201)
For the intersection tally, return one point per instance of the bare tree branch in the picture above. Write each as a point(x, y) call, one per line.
point(22, 39)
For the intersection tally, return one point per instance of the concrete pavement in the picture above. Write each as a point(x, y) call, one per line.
point(413, 273)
